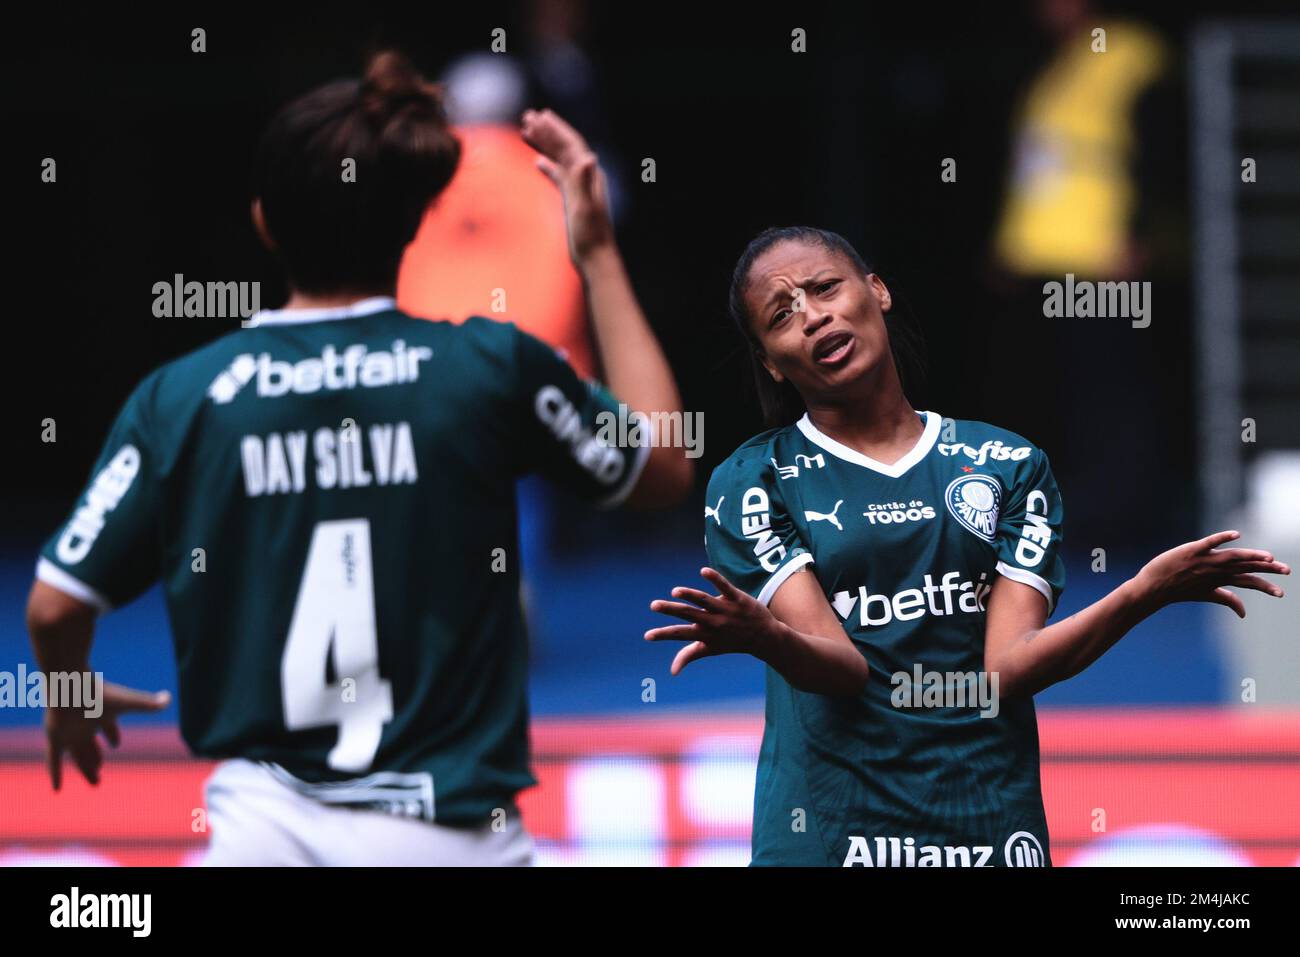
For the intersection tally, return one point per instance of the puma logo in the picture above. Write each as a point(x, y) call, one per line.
point(810, 516)
point(714, 511)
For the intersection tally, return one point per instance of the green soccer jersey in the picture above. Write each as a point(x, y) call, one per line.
point(925, 766)
point(328, 497)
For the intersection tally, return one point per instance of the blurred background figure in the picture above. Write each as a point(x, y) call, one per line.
point(1091, 192)
point(493, 245)
point(1074, 194)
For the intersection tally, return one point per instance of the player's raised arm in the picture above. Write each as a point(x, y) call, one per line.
point(765, 606)
point(635, 368)
point(799, 636)
point(1028, 657)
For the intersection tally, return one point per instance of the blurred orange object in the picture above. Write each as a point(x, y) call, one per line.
point(496, 238)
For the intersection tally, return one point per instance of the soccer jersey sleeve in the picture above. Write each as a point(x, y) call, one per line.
point(1028, 538)
point(748, 533)
point(107, 552)
point(574, 431)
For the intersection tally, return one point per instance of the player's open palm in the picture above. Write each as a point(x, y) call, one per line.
point(571, 165)
point(1200, 571)
point(731, 621)
point(71, 731)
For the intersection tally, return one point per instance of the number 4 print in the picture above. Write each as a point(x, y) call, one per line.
point(336, 610)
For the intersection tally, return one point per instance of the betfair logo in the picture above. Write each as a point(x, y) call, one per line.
point(950, 596)
point(353, 366)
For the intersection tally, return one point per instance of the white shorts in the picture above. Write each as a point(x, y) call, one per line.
point(256, 820)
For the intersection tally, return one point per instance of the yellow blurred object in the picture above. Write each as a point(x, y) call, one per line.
point(495, 237)
point(1071, 198)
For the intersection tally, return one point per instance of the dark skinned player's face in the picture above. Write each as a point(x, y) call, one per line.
point(839, 335)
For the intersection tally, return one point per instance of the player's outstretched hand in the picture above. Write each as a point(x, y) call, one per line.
point(571, 165)
point(1200, 571)
point(70, 730)
point(731, 621)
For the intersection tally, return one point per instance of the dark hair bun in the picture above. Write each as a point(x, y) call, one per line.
point(336, 233)
point(392, 87)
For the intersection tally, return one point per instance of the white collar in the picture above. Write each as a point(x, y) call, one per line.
point(283, 317)
point(918, 452)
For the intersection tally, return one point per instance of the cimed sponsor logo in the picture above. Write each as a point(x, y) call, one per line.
point(756, 525)
point(105, 493)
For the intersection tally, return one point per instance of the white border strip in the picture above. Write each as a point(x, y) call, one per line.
point(381, 786)
point(781, 574)
point(56, 577)
point(284, 317)
point(1030, 579)
point(928, 437)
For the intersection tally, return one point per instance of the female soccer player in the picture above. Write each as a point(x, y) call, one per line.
point(351, 643)
point(895, 570)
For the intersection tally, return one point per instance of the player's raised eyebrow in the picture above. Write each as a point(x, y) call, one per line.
point(812, 280)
